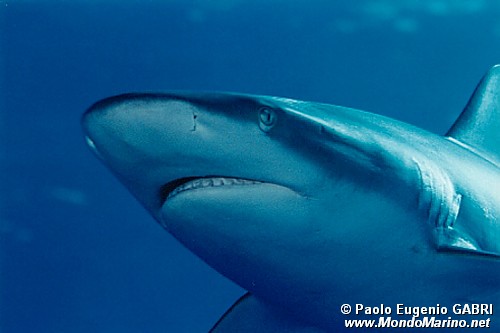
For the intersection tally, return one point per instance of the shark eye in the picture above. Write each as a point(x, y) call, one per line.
point(267, 118)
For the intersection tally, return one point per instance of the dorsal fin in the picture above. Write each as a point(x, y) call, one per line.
point(479, 124)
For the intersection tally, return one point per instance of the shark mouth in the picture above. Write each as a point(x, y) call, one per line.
point(173, 188)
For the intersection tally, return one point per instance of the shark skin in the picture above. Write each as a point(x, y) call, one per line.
point(310, 206)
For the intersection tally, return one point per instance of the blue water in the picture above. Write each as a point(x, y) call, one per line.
point(78, 253)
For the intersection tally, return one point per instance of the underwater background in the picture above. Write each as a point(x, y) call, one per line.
point(77, 252)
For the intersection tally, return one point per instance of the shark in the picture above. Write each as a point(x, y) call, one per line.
point(322, 213)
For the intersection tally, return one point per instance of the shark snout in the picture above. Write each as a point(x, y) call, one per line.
point(139, 125)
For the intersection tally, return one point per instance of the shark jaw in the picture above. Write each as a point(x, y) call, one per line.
point(177, 186)
point(203, 194)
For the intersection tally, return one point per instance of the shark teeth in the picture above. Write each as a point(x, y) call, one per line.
point(210, 182)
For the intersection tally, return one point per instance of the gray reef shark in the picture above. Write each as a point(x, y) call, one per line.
point(310, 206)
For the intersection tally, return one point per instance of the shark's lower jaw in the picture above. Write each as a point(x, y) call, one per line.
point(173, 188)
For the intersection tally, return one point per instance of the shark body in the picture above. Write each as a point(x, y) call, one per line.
point(310, 206)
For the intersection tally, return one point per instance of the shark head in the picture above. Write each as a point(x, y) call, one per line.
point(221, 172)
point(240, 179)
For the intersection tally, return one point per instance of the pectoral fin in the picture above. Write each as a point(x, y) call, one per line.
point(249, 314)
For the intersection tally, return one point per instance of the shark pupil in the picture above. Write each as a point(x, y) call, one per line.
point(267, 119)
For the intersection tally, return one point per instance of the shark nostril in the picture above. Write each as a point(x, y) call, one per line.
point(267, 119)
